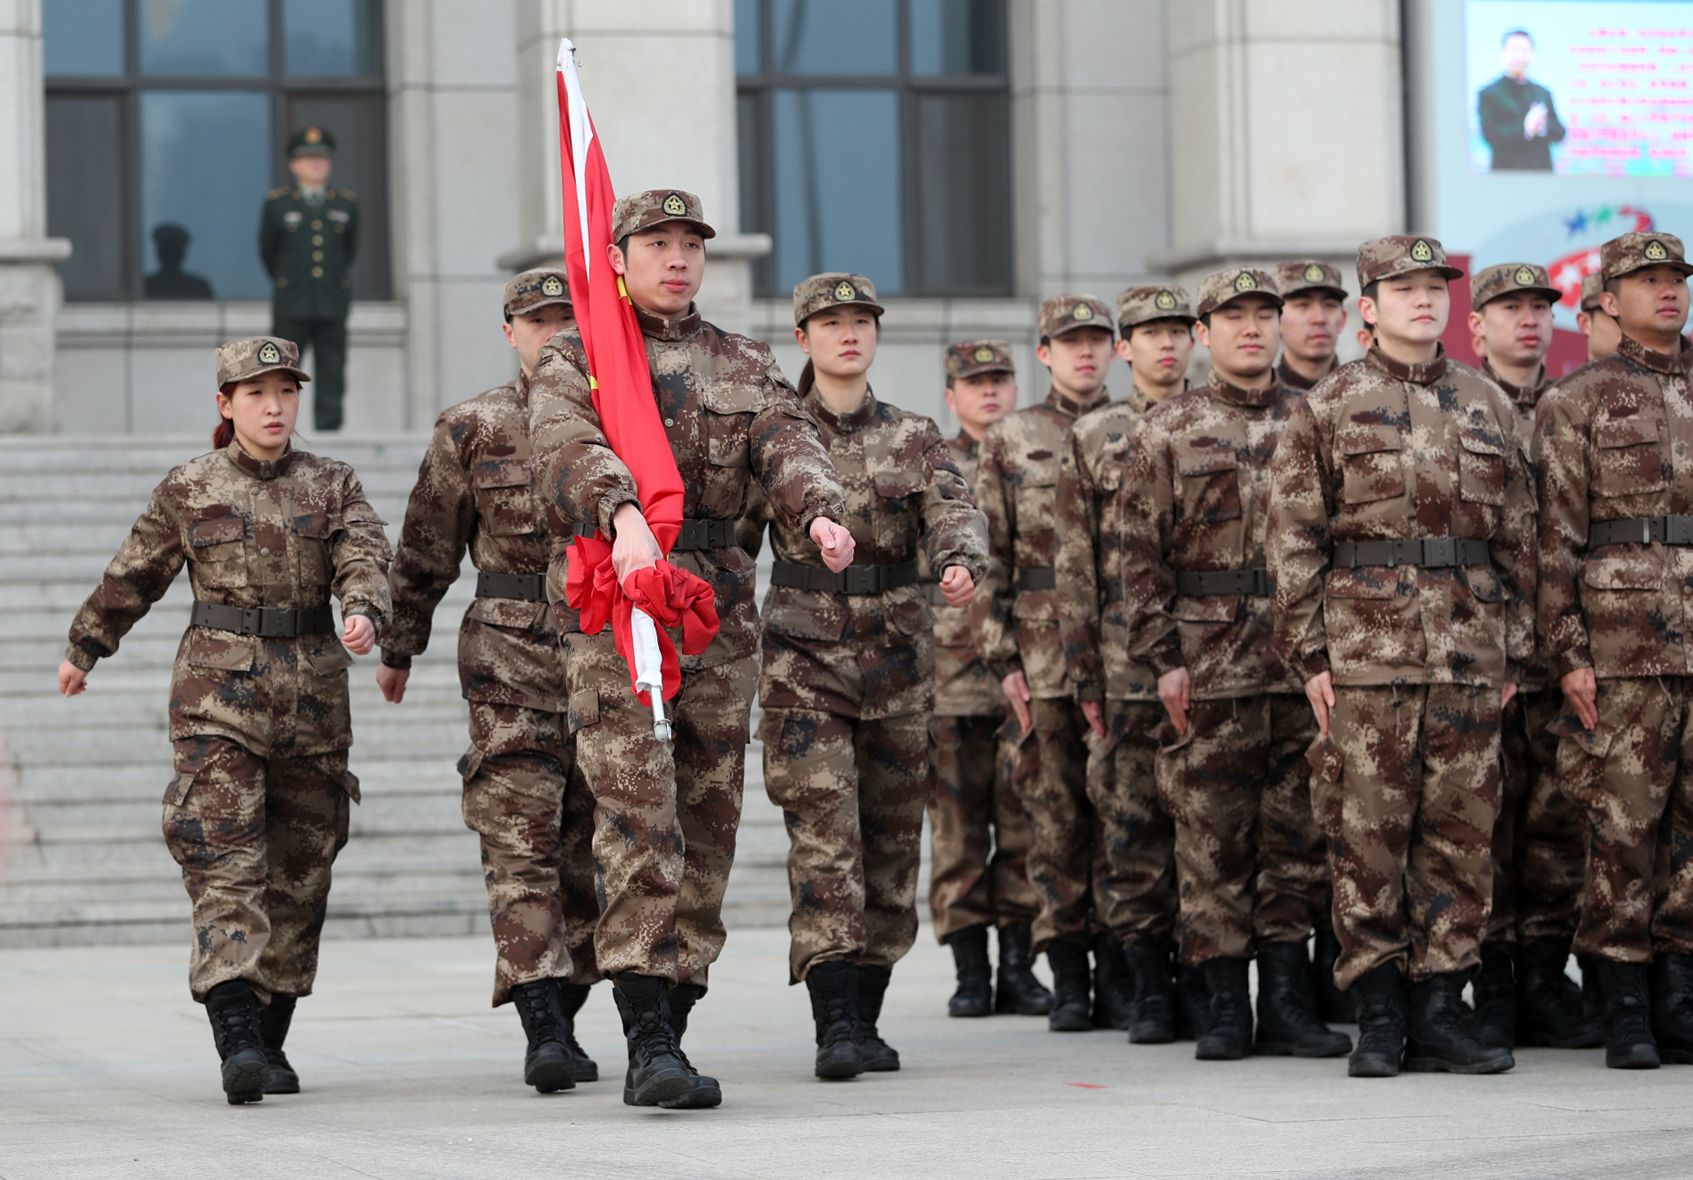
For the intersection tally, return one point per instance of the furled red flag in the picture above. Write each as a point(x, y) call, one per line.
point(628, 412)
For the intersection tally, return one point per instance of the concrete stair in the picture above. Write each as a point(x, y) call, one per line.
point(82, 860)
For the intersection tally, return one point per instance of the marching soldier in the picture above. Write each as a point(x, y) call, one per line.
point(978, 866)
point(1313, 314)
point(1598, 325)
point(259, 804)
point(1401, 551)
point(1017, 625)
point(1197, 608)
point(666, 813)
point(308, 233)
point(523, 794)
point(1614, 568)
point(1134, 884)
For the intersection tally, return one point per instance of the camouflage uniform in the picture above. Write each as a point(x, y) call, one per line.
point(1017, 627)
point(259, 804)
point(1293, 277)
point(1195, 499)
point(666, 813)
point(523, 794)
point(848, 671)
point(1418, 639)
point(978, 863)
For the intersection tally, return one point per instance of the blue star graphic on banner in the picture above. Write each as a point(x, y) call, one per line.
point(1577, 223)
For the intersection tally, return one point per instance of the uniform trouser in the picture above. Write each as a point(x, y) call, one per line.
point(1249, 859)
point(665, 812)
point(326, 336)
point(1540, 841)
point(1135, 861)
point(1633, 779)
point(978, 864)
point(1407, 791)
point(526, 799)
point(852, 793)
point(255, 838)
point(1050, 773)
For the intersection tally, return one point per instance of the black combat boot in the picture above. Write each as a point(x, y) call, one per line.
point(1672, 1008)
point(1019, 992)
point(1193, 1003)
point(547, 1065)
point(1629, 1043)
point(234, 1012)
point(878, 1056)
point(1439, 1040)
point(834, 1006)
point(1155, 1011)
point(1287, 1007)
point(1113, 985)
point(274, 1019)
point(658, 1073)
point(974, 996)
point(1495, 990)
point(1228, 1031)
point(571, 997)
point(1380, 998)
point(704, 1091)
point(1333, 1005)
point(1592, 989)
point(1069, 987)
point(1551, 1009)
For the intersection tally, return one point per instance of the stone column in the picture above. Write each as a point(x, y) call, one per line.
point(30, 291)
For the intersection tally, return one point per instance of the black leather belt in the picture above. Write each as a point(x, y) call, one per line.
point(1113, 591)
point(1039, 577)
point(268, 622)
point(1199, 583)
point(855, 579)
point(1642, 530)
point(527, 587)
point(1428, 552)
point(695, 534)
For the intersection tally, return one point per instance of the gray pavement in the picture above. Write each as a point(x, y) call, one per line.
point(107, 1070)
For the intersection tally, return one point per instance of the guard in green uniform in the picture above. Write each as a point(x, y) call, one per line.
point(307, 236)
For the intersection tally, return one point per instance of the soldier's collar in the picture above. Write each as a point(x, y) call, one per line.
point(1294, 379)
point(260, 468)
point(660, 328)
point(1140, 401)
point(1235, 395)
point(972, 445)
point(1523, 395)
point(1416, 374)
point(1075, 409)
point(863, 414)
point(1676, 365)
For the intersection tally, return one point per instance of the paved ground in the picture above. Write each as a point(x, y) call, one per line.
point(106, 1070)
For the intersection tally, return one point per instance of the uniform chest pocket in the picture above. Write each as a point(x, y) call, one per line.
point(898, 490)
point(316, 533)
point(1208, 481)
point(898, 500)
point(1037, 495)
point(504, 505)
point(219, 544)
point(1481, 468)
point(1627, 457)
point(1371, 463)
point(727, 422)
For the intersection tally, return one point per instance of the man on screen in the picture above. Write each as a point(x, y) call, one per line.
point(1518, 120)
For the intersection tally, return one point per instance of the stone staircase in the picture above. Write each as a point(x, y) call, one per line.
point(81, 857)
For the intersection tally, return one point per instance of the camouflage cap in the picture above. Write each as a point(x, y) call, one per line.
point(541, 287)
point(1402, 254)
point(1636, 251)
point(311, 141)
point(1592, 286)
point(969, 357)
point(242, 360)
point(1308, 274)
point(1067, 313)
point(832, 290)
point(1235, 282)
point(643, 211)
point(1142, 305)
point(1508, 278)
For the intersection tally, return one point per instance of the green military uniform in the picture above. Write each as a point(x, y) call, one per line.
point(307, 241)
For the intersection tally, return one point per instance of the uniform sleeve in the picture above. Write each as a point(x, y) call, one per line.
point(360, 555)
point(440, 520)
point(749, 530)
point(269, 237)
point(954, 532)
point(1560, 457)
point(789, 460)
point(1075, 504)
point(990, 615)
point(1554, 125)
point(1148, 510)
point(145, 565)
point(1298, 544)
point(578, 472)
point(350, 236)
point(1499, 126)
point(1514, 545)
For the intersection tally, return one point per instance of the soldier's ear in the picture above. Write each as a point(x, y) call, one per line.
point(614, 255)
point(799, 339)
point(1609, 305)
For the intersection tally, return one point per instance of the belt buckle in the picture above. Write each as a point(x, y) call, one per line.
point(274, 624)
point(1258, 583)
point(1440, 551)
point(856, 581)
point(252, 621)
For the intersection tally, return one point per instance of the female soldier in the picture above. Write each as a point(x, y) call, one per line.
point(258, 713)
point(848, 680)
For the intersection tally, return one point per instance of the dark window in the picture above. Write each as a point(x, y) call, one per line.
point(875, 137)
point(167, 123)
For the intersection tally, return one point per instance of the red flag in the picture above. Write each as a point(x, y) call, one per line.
point(628, 412)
